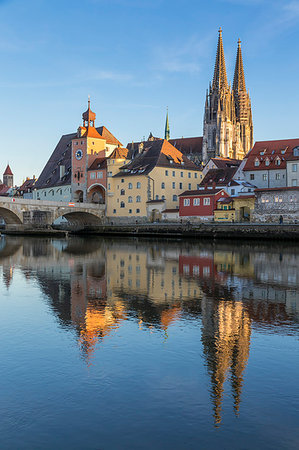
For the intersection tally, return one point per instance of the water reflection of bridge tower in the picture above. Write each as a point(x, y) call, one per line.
point(226, 340)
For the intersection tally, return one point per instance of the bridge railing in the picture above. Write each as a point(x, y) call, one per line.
point(31, 202)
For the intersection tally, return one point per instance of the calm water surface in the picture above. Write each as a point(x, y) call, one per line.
point(136, 344)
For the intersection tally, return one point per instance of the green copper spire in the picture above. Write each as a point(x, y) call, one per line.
point(167, 130)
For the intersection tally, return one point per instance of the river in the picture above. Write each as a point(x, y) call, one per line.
point(141, 344)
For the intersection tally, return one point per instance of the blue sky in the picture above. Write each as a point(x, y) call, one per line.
point(135, 58)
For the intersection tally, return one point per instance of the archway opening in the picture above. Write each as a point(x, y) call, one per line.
point(78, 196)
point(96, 194)
point(77, 221)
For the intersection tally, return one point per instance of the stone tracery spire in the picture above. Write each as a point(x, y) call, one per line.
point(220, 77)
point(239, 78)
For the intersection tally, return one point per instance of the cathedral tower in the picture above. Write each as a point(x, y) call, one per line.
point(228, 130)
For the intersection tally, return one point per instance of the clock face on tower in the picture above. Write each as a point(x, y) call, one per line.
point(79, 154)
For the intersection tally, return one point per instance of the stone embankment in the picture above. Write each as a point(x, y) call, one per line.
point(211, 230)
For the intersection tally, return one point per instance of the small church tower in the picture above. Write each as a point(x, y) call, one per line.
point(167, 129)
point(8, 177)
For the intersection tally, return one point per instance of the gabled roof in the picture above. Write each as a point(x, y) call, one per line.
point(158, 153)
point(8, 171)
point(119, 153)
point(110, 139)
point(223, 163)
point(200, 192)
point(98, 163)
point(28, 184)
point(270, 151)
point(219, 177)
point(4, 189)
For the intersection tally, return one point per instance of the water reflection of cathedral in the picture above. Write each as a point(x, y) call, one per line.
point(96, 285)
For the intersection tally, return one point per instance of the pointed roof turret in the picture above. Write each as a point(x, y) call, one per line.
point(220, 78)
point(167, 129)
point(239, 78)
point(88, 116)
point(8, 171)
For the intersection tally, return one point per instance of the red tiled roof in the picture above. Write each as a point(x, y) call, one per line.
point(3, 189)
point(8, 171)
point(288, 188)
point(110, 139)
point(28, 184)
point(199, 192)
point(271, 151)
point(188, 146)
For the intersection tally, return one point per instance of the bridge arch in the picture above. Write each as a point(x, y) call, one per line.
point(9, 217)
point(79, 219)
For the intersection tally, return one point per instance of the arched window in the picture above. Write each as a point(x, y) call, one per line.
point(138, 185)
point(138, 199)
point(122, 192)
point(174, 198)
point(130, 199)
point(163, 185)
point(122, 204)
point(130, 186)
point(278, 161)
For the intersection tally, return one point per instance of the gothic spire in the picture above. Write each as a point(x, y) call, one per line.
point(220, 78)
point(167, 130)
point(239, 78)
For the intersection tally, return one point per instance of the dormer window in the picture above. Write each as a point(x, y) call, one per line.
point(278, 161)
point(267, 162)
point(256, 162)
point(262, 153)
point(296, 151)
point(283, 152)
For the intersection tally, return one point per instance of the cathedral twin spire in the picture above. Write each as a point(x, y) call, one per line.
point(228, 129)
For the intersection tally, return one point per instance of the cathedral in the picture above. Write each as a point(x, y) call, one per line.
point(228, 128)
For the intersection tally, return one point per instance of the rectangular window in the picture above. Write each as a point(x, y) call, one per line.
point(173, 173)
point(294, 167)
point(207, 201)
point(195, 175)
point(137, 210)
point(166, 173)
point(189, 174)
point(173, 185)
point(294, 182)
point(186, 201)
point(233, 191)
point(100, 174)
point(92, 175)
point(189, 186)
point(181, 185)
point(109, 174)
point(196, 201)
point(252, 176)
point(182, 174)
point(265, 177)
point(276, 198)
point(277, 176)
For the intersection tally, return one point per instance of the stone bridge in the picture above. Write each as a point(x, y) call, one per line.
point(40, 214)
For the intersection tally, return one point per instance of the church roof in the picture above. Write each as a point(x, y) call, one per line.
point(188, 146)
point(8, 170)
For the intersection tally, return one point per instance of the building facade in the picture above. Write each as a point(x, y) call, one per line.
point(200, 204)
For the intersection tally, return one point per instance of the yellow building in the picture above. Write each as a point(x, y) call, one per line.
point(158, 172)
point(235, 209)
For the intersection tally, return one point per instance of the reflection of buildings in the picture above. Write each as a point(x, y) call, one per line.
point(95, 285)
